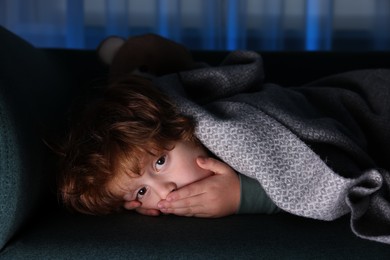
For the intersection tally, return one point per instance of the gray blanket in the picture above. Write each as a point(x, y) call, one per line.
point(320, 151)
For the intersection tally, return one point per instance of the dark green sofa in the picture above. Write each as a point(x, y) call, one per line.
point(37, 87)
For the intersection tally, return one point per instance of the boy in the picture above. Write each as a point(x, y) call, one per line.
point(134, 145)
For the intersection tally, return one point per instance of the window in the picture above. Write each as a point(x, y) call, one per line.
point(278, 25)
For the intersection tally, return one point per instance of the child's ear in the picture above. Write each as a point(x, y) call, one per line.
point(108, 48)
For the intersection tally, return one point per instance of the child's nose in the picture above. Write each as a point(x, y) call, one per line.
point(165, 188)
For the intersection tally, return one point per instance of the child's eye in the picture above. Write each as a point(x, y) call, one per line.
point(141, 192)
point(160, 162)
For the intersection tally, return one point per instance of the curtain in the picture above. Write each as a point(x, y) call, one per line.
point(271, 25)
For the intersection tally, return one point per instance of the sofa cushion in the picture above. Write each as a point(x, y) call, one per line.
point(131, 236)
point(14, 189)
point(26, 99)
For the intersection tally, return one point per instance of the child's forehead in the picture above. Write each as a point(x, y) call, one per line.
point(133, 165)
point(124, 180)
point(119, 186)
point(125, 177)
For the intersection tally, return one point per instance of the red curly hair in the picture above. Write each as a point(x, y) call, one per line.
point(110, 136)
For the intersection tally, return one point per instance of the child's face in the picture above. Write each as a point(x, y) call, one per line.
point(162, 174)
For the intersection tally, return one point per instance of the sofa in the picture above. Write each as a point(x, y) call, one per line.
point(38, 87)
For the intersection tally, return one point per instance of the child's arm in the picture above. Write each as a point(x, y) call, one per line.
point(254, 199)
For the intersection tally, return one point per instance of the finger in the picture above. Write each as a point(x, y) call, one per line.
point(133, 204)
point(188, 202)
point(195, 211)
point(192, 189)
point(213, 165)
point(148, 212)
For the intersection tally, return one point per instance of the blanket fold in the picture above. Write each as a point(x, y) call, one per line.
point(320, 150)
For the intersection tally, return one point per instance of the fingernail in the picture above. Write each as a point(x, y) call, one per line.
point(165, 211)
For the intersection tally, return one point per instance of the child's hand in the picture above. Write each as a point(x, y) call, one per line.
point(136, 205)
point(214, 196)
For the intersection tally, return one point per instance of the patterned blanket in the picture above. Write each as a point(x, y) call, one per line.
point(320, 150)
